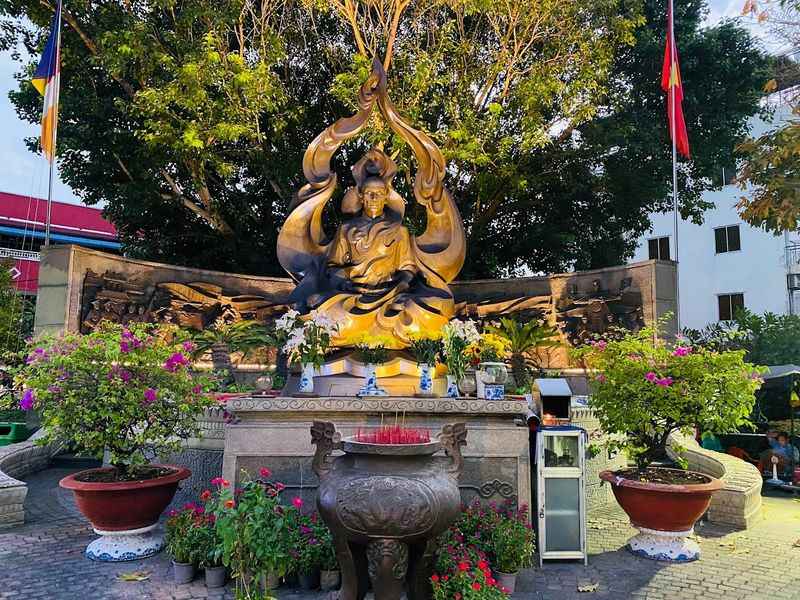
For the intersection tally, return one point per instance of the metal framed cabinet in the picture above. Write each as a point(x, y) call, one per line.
point(561, 497)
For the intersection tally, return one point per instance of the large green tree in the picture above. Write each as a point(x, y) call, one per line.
point(189, 118)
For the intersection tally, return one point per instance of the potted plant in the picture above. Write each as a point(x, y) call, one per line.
point(309, 550)
point(209, 545)
point(305, 340)
point(125, 392)
point(183, 533)
point(253, 531)
point(426, 349)
point(224, 339)
point(329, 564)
point(512, 546)
point(470, 581)
point(488, 355)
point(456, 338)
point(523, 343)
point(371, 351)
point(645, 389)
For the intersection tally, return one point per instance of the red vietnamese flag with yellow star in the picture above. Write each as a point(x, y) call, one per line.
point(672, 84)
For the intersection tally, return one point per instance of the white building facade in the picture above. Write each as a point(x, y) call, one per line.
point(724, 263)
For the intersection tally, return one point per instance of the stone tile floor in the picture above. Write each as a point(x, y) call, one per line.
point(44, 559)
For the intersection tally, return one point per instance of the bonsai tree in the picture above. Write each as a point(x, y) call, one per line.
point(124, 390)
point(644, 389)
point(523, 342)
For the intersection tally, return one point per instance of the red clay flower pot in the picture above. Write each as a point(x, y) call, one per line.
point(124, 513)
point(665, 514)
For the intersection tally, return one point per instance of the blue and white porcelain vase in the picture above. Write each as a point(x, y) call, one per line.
point(452, 387)
point(370, 387)
point(307, 379)
point(425, 380)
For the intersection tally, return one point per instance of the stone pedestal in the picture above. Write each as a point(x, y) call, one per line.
point(273, 433)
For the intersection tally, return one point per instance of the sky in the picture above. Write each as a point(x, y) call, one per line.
point(25, 173)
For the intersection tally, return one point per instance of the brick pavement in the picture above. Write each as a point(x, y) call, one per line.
point(44, 559)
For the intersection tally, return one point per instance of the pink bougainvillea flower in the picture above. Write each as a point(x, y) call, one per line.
point(664, 381)
point(681, 351)
point(124, 347)
point(601, 378)
point(297, 501)
point(197, 389)
point(651, 377)
point(188, 346)
point(150, 395)
point(600, 344)
point(28, 398)
point(265, 472)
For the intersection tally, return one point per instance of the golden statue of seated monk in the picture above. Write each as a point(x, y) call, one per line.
point(373, 277)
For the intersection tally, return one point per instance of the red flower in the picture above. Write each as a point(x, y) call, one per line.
point(463, 566)
point(298, 502)
point(229, 503)
point(205, 496)
point(457, 596)
point(483, 565)
point(435, 578)
point(476, 586)
point(265, 472)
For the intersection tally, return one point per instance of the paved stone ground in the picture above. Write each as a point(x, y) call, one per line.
point(44, 559)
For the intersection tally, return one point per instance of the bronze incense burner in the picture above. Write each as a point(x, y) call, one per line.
point(385, 505)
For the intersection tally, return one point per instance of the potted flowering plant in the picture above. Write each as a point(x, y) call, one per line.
point(329, 564)
point(645, 389)
point(125, 392)
point(488, 355)
point(253, 531)
point(307, 546)
point(372, 351)
point(456, 338)
point(305, 340)
point(183, 532)
point(426, 349)
point(469, 581)
point(512, 546)
point(209, 545)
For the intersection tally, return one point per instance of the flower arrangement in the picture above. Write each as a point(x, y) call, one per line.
point(489, 348)
point(125, 390)
point(307, 547)
point(644, 389)
point(426, 349)
point(457, 336)
point(184, 530)
point(305, 339)
point(372, 350)
point(253, 529)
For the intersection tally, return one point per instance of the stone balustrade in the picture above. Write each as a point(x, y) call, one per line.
point(738, 503)
point(18, 460)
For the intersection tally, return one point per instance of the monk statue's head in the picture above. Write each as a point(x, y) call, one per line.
point(373, 193)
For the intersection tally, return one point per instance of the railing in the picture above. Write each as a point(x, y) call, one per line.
point(19, 254)
point(793, 255)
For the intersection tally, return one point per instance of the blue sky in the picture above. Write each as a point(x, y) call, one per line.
point(22, 172)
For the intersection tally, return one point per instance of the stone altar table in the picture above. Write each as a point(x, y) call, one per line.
point(273, 432)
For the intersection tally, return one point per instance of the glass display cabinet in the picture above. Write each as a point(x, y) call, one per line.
point(561, 498)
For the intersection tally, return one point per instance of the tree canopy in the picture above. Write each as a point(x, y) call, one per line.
point(771, 172)
point(190, 119)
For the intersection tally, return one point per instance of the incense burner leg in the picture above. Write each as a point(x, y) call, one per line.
point(421, 568)
point(387, 562)
point(350, 590)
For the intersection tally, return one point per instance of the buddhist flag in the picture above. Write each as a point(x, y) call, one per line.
point(46, 80)
point(672, 84)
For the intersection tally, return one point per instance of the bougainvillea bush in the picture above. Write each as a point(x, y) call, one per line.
point(645, 388)
point(124, 390)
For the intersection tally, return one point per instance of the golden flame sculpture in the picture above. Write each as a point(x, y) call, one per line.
point(373, 277)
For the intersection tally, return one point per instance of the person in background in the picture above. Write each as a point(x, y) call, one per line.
point(789, 452)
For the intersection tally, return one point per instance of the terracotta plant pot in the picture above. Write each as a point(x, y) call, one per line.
point(328, 580)
point(664, 514)
point(182, 572)
point(124, 513)
point(507, 581)
point(215, 577)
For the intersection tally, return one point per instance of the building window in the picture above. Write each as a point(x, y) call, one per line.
point(727, 239)
point(658, 248)
point(729, 305)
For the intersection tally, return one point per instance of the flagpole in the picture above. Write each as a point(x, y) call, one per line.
point(673, 90)
point(54, 129)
